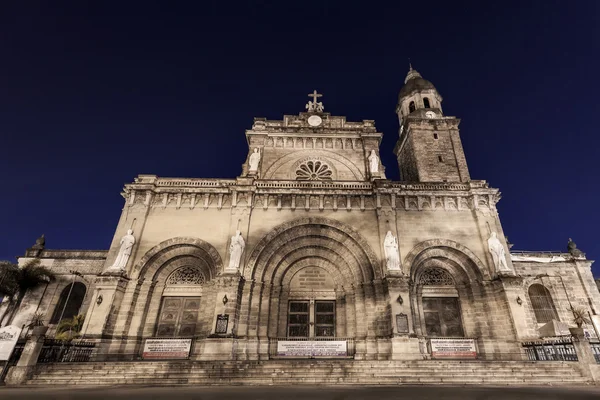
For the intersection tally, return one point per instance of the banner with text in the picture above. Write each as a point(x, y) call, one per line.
point(166, 349)
point(453, 348)
point(311, 348)
point(8, 340)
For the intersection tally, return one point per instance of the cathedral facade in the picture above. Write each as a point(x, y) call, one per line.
point(312, 244)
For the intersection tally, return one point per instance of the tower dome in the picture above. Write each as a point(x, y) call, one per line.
point(417, 94)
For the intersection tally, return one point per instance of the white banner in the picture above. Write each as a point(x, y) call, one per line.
point(310, 348)
point(8, 340)
point(453, 348)
point(166, 349)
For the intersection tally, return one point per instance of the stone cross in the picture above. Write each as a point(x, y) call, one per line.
point(315, 96)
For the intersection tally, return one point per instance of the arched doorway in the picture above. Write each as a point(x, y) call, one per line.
point(170, 281)
point(314, 278)
point(180, 303)
point(440, 311)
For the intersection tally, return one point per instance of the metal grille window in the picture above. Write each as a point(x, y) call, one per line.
point(298, 319)
point(325, 318)
point(178, 316)
point(543, 306)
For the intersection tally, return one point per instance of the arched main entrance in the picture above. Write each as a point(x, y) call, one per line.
point(311, 278)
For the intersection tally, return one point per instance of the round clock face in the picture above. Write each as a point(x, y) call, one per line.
point(314, 120)
point(430, 114)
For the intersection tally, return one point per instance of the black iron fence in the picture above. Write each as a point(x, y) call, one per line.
point(317, 347)
point(65, 351)
point(16, 354)
point(596, 350)
point(555, 349)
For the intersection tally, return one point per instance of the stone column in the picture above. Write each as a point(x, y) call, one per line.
point(587, 361)
point(405, 344)
point(513, 292)
point(219, 345)
point(23, 371)
point(108, 296)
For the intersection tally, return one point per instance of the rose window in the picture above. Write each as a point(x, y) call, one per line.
point(313, 171)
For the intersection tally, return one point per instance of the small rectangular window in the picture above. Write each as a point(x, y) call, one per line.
point(435, 136)
point(440, 159)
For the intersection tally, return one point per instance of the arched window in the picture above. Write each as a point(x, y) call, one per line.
point(543, 306)
point(411, 107)
point(69, 303)
point(426, 102)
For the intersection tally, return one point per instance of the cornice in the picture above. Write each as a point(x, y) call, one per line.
point(360, 195)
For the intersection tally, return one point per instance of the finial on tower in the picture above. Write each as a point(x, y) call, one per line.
point(409, 65)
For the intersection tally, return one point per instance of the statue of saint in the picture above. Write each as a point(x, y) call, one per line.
point(127, 243)
point(236, 248)
point(373, 163)
point(498, 254)
point(390, 245)
point(254, 160)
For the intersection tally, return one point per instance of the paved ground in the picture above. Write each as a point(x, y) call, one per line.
point(297, 393)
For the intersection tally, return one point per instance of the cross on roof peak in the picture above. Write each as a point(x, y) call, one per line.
point(315, 95)
point(314, 106)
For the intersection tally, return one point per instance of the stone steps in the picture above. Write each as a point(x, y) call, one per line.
point(307, 372)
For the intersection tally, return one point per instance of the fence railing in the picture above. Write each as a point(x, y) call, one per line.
point(557, 349)
point(310, 349)
point(596, 350)
point(64, 351)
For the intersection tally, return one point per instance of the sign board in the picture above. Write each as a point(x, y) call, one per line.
point(311, 348)
point(8, 340)
point(222, 321)
point(453, 348)
point(402, 323)
point(166, 349)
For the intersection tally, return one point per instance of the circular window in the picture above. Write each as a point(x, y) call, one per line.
point(313, 171)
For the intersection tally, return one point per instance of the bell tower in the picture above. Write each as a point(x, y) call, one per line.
point(429, 148)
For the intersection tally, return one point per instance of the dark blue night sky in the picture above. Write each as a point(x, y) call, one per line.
point(92, 95)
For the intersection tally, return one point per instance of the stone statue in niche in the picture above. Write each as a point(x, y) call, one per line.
point(373, 163)
point(254, 161)
point(236, 248)
point(390, 245)
point(498, 254)
point(127, 243)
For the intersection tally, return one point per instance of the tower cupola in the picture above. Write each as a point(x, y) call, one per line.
point(417, 97)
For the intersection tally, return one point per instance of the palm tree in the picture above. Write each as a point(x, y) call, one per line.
point(8, 284)
point(29, 277)
point(69, 328)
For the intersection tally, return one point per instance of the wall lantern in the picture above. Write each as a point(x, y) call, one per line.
point(519, 301)
point(99, 300)
point(400, 300)
point(225, 299)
